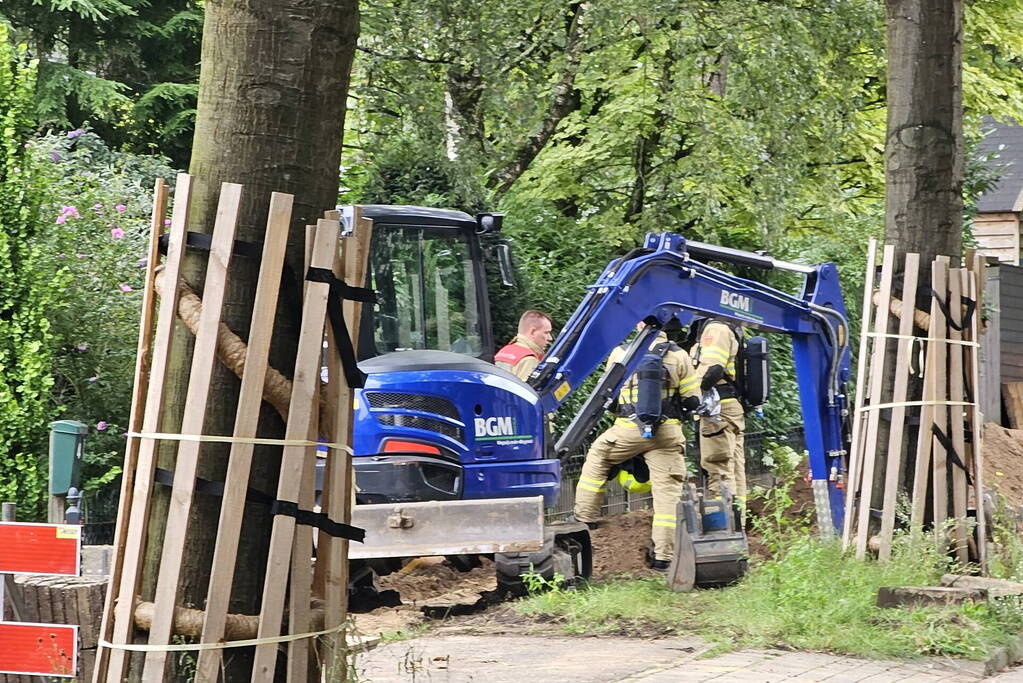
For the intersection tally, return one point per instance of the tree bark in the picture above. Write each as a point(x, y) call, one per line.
point(272, 92)
point(924, 145)
point(924, 161)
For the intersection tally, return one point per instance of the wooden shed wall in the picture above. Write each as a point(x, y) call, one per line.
point(1011, 322)
point(998, 235)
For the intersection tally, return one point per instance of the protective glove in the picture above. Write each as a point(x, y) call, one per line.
point(714, 374)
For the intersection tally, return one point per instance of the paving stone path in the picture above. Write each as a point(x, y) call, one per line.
point(461, 658)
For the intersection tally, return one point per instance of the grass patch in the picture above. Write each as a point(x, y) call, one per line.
point(811, 597)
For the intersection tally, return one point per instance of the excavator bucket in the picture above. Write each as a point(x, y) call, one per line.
point(706, 555)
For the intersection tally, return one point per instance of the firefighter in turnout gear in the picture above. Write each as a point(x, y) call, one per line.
point(658, 439)
point(722, 452)
point(522, 354)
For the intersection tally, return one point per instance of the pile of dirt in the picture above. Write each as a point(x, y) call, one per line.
point(1003, 462)
point(620, 543)
point(424, 580)
point(428, 578)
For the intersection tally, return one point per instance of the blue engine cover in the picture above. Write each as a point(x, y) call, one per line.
point(486, 424)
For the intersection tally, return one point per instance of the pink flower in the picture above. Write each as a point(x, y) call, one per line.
point(97, 207)
point(82, 347)
point(75, 133)
point(166, 221)
point(54, 157)
point(93, 378)
point(142, 262)
point(121, 208)
point(70, 211)
point(61, 255)
point(101, 426)
point(117, 233)
point(82, 255)
point(124, 288)
point(61, 219)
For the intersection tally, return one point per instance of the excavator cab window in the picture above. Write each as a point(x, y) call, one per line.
point(426, 284)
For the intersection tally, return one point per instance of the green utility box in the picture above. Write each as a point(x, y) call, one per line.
point(67, 439)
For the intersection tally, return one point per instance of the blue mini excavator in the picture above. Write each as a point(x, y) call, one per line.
point(452, 455)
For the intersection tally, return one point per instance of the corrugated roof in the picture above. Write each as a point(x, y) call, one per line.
point(1007, 141)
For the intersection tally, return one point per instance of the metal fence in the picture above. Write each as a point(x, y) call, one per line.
point(618, 501)
point(99, 514)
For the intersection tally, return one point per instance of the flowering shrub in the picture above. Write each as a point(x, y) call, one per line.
point(95, 230)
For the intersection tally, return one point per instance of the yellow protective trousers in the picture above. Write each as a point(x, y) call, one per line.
point(664, 455)
point(722, 450)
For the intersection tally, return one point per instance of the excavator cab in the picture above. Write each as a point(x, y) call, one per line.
point(427, 267)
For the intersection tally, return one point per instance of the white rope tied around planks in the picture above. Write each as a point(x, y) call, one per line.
point(215, 438)
point(187, 647)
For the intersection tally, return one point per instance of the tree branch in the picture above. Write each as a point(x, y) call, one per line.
point(562, 104)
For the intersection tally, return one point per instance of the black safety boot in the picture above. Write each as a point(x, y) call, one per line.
point(660, 565)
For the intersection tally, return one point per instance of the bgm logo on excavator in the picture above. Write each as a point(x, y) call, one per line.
point(494, 426)
point(736, 302)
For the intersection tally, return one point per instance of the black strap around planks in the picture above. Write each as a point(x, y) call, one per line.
point(946, 443)
point(339, 290)
point(277, 507)
point(319, 520)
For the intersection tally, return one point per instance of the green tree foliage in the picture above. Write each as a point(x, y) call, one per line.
point(752, 125)
point(128, 68)
point(28, 292)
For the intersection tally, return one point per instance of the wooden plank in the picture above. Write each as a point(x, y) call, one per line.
point(138, 522)
point(877, 375)
point(922, 468)
point(903, 365)
point(957, 426)
point(304, 389)
point(300, 591)
point(852, 488)
point(1012, 393)
point(138, 403)
point(340, 479)
point(977, 283)
point(232, 509)
point(939, 477)
point(186, 464)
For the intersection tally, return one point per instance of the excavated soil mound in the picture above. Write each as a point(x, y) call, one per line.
point(619, 544)
point(431, 579)
point(1003, 462)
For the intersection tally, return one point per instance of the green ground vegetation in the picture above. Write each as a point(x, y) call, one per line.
point(809, 595)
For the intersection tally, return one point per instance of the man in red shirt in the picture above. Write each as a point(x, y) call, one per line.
point(523, 353)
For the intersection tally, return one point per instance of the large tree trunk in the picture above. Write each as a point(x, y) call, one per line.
point(924, 149)
point(272, 93)
point(923, 159)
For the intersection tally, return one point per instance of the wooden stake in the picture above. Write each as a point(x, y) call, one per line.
point(939, 491)
point(138, 516)
point(956, 393)
point(852, 487)
point(339, 477)
point(903, 363)
point(922, 468)
point(305, 387)
point(138, 404)
point(877, 367)
point(246, 423)
point(977, 284)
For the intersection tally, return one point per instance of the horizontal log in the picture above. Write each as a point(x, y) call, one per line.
point(920, 319)
point(188, 622)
